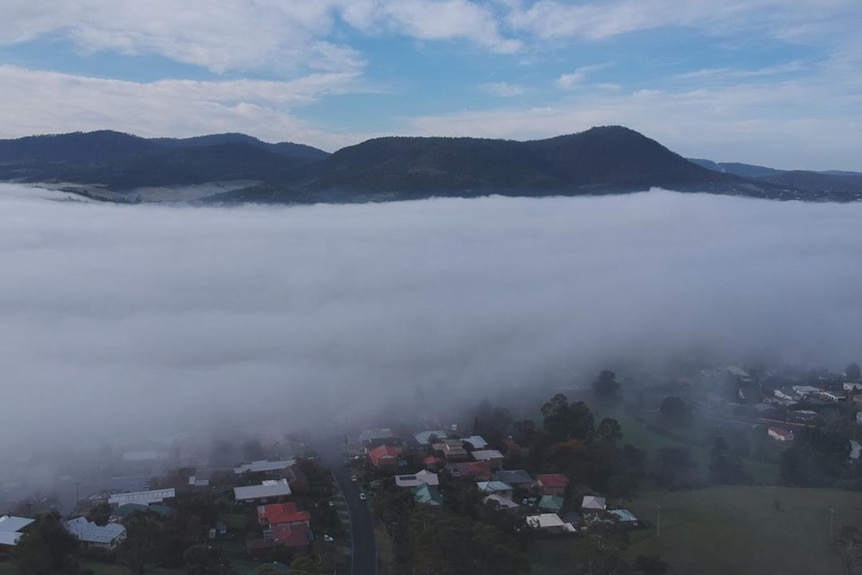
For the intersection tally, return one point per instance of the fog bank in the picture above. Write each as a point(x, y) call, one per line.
point(131, 319)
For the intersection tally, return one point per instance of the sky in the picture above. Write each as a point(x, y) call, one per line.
point(133, 321)
point(770, 82)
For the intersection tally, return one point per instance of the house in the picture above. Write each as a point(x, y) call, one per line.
point(625, 518)
point(273, 468)
point(476, 470)
point(500, 503)
point(271, 489)
point(492, 456)
point(855, 450)
point(517, 478)
point(142, 497)
point(786, 395)
point(593, 503)
point(282, 514)
point(371, 438)
point(805, 390)
point(384, 456)
point(427, 495)
point(433, 463)
point(802, 416)
point(11, 529)
point(831, 396)
point(91, 535)
point(552, 483)
point(129, 483)
point(495, 487)
point(452, 450)
point(430, 437)
point(478, 442)
point(549, 523)
point(780, 434)
point(551, 503)
point(852, 386)
point(417, 479)
point(194, 482)
point(123, 512)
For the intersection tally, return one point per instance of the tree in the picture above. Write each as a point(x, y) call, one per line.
point(817, 458)
point(675, 412)
point(601, 552)
point(47, 549)
point(145, 544)
point(206, 560)
point(725, 467)
point(606, 387)
point(853, 372)
point(609, 430)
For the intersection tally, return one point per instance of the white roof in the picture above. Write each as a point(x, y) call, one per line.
point(591, 502)
point(10, 523)
point(263, 466)
point(9, 537)
point(500, 501)
point(477, 441)
point(487, 455)
point(148, 455)
point(89, 532)
point(266, 489)
point(417, 479)
point(548, 521)
point(142, 497)
point(624, 515)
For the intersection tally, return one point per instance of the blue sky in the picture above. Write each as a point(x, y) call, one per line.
point(775, 82)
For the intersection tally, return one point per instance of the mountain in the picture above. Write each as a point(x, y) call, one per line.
point(598, 160)
point(609, 159)
point(815, 183)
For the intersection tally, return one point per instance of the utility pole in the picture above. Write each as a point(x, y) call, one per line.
point(831, 522)
point(658, 531)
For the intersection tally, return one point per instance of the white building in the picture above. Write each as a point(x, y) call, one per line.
point(780, 434)
point(142, 497)
point(416, 479)
point(263, 466)
point(549, 523)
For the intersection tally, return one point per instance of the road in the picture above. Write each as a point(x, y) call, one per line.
point(361, 522)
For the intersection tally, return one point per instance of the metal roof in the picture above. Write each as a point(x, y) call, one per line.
point(142, 497)
point(263, 466)
point(89, 532)
point(10, 523)
point(262, 491)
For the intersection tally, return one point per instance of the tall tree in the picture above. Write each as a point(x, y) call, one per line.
point(853, 372)
point(145, 545)
point(606, 387)
point(47, 548)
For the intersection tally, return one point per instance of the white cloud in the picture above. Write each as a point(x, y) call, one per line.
point(302, 313)
point(50, 102)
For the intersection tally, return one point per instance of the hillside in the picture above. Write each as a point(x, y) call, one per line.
point(610, 159)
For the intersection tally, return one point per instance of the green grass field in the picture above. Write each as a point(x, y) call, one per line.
point(730, 530)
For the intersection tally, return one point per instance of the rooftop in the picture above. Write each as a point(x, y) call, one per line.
point(278, 513)
point(266, 489)
point(142, 497)
point(263, 466)
point(487, 455)
point(89, 532)
point(553, 480)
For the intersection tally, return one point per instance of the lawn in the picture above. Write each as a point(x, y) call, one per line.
point(730, 530)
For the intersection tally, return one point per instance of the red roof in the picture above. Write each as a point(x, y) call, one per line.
point(383, 452)
point(282, 513)
point(553, 480)
point(292, 535)
point(474, 469)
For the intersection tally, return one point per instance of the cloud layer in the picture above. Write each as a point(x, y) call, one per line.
point(146, 320)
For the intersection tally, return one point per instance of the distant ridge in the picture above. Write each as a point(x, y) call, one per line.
point(609, 159)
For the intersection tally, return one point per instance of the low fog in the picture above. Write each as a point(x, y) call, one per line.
point(124, 320)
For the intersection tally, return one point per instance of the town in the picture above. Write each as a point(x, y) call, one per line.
point(544, 479)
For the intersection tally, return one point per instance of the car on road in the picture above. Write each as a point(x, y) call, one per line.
point(353, 478)
point(362, 496)
point(328, 539)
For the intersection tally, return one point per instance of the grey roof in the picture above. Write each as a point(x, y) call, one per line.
point(513, 476)
point(424, 437)
point(86, 531)
point(9, 537)
point(129, 483)
point(263, 466)
point(624, 515)
point(142, 497)
point(262, 491)
point(12, 523)
point(487, 455)
point(593, 502)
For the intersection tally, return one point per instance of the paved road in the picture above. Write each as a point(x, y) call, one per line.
point(361, 522)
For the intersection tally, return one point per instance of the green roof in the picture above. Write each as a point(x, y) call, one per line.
point(425, 495)
point(551, 503)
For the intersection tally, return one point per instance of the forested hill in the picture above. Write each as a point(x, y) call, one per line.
point(609, 159)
